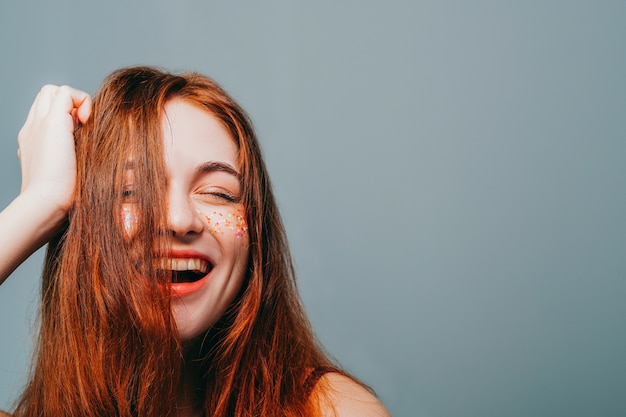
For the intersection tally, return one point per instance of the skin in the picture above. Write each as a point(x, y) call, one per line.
point(192, 138)
point(204, 191)
point(48, 161)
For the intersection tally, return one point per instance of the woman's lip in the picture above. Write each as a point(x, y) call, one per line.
point(185, 288)
point(184, 254)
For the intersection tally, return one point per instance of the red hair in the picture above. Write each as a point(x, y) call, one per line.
point(108, 343)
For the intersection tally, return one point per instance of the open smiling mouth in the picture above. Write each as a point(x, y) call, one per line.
point(185, 270)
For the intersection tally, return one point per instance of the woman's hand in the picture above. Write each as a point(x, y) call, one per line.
point(46, 145)
point(48, 159)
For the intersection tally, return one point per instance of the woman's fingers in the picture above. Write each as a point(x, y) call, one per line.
point(62, 107)
point(42, 102)
point(84, 109)
point(66, 99)
point(60, 101)
point(46, 142)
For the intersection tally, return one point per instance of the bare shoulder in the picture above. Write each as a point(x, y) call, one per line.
point(347, 398)
point(3, 414)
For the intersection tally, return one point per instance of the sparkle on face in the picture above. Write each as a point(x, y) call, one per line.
point(234, 222)
point(129, 220)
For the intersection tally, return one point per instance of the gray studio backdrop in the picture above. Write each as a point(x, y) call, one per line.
point(451, 174)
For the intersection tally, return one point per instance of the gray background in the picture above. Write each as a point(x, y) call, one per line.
point(451, 174)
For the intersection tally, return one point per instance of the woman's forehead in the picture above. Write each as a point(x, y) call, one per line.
point(193, 136)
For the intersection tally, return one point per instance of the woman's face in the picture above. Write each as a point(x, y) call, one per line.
point(206, 219)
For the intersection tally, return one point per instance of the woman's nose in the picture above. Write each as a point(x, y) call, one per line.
point(182, 216)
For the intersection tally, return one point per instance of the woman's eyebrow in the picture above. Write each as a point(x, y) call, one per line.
point(213, 166)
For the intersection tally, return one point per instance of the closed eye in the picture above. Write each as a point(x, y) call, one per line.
point(228, 197)
point(218, 196)
point(218, 183)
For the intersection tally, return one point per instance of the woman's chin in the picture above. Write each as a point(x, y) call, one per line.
point(190, 322)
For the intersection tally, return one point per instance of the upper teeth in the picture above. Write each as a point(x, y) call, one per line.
point(184, 264)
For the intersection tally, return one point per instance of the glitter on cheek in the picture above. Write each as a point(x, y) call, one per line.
point(233, 222)
point(213, 228)
point(240, 227)
point(130, 220)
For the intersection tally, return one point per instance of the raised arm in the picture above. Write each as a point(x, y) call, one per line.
point(48, 161)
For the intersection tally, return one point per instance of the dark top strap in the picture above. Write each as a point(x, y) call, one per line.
point(315, 375)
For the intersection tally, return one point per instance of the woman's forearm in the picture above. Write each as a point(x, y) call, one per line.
point(24, 227)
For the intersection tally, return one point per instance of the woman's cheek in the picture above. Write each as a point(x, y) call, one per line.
point(130, 220)
point(222, 223)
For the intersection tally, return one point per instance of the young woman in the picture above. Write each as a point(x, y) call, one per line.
point(168, 288)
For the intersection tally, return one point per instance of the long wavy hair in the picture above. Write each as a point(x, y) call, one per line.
point(108, 343)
